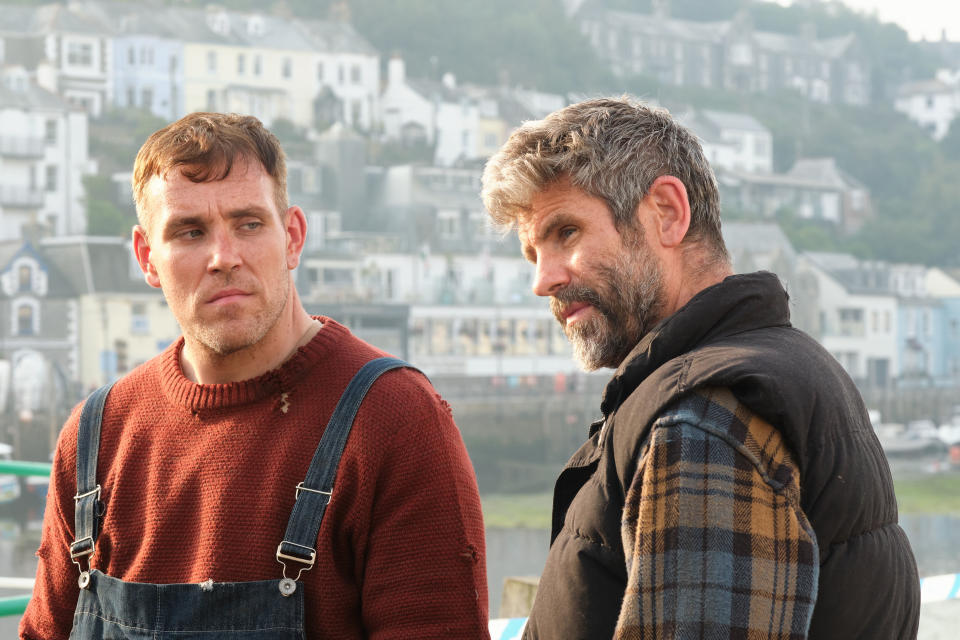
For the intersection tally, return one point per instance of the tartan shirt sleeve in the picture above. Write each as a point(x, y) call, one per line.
point(716, 543)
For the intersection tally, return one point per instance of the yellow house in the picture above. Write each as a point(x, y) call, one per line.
point(308, 72)
point(114, 321)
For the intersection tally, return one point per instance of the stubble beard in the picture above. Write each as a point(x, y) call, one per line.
point(627, 300)
point(223, 338)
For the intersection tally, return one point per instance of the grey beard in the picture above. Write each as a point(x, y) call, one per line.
point(628, 300)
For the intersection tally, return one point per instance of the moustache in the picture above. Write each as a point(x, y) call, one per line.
point(572, 294)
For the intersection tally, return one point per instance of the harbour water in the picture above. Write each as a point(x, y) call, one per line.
point(522, 552)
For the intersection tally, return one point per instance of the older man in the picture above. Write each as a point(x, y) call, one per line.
point(196, 503)
point(735, 487)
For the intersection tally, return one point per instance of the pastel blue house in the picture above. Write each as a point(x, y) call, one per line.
point(920, 324)
point(945, 288)
point(148, 62)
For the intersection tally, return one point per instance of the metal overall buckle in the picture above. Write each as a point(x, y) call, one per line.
point(76, 556)
point(84, 547)
point(288, 586)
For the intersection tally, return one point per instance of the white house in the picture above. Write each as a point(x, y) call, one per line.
point(732, 141)
point(43, 158)
point(932, 104)
point(420, 111)
point(77, 43)
point(858, 315)
point(814, 189)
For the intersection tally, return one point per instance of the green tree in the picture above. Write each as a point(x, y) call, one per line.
point(104, 216)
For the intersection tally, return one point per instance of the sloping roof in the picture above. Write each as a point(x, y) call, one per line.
point(832, 261)
point(924, 87)
point(73, 18)
point(58, 286)
point(187, 24)
point(19, 20)
point(798, 45)
point(431, 89)
point(732, 120)
point(336, 37)
point(757, 237)
point(660, 27)
point(94, 265)
point(704, 129)
point(869, 277)
point(717, 33)
point(822, 171)
point(31, 97)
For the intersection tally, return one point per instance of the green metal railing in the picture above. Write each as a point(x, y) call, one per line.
point(21, 468)
point(16, 605)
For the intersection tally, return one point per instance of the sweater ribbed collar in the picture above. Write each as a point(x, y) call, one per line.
point(192, 396)
point(738, 303)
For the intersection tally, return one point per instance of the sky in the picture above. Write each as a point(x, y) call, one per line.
point(920, 18)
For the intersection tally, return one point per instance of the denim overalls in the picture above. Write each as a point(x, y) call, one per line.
point(111, 609)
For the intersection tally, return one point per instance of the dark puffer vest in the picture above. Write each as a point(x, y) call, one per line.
point(737, 335)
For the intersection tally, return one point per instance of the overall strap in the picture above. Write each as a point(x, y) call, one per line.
point(315, 492)
point(87, 505)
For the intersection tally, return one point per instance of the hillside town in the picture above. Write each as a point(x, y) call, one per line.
point(402, 250)
point(386, 163)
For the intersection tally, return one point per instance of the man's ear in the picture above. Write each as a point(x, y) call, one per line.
point(668, 198)
point(295, 224)
point(141, 250)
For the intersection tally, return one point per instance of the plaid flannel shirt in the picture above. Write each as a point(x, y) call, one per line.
point(717, 545)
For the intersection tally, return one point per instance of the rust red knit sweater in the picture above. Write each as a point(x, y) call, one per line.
point(199, 482)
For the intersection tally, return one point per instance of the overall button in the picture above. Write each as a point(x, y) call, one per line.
point(287, 587)
point(84, 580)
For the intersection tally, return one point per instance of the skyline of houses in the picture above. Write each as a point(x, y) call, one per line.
point(727, 54)
point(402, 252)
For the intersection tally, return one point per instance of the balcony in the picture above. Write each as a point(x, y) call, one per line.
point(14, 147)
point(15, 197)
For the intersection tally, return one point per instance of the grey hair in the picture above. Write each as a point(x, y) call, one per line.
point(612, 149)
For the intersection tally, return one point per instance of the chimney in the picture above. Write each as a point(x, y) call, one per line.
point(396, 71)
point(661, 8)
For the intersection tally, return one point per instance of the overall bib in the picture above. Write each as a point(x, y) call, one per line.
point(111, 609)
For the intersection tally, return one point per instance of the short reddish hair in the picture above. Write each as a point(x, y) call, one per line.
point(204, 146)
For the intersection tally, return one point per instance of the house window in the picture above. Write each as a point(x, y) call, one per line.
point(147, 98)
point(131, 56)
point(139, 320)
point(211, 61)
point(211, 100)
point(257, 65)
point(80, 54)
point(340, 74)
point(356, 109)
point(131, 97)
point(241, 64)
point(356, 75)
point(24, 278)
point(287, 70)
point(51, 184)
point(120, 348)
point(25, 326)
point(50, 132)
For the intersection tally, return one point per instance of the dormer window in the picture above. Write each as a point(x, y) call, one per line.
point(255, 26)
point(219, 22)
